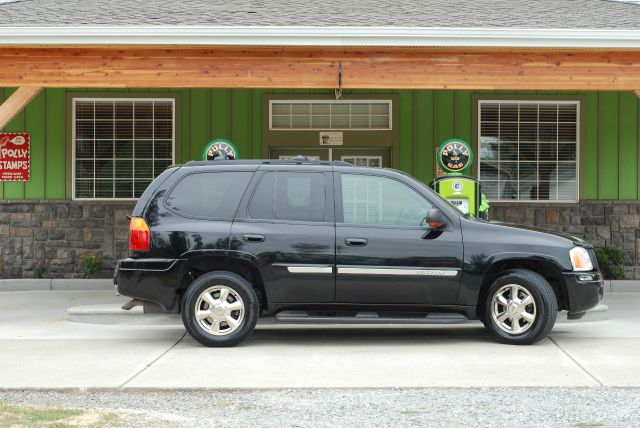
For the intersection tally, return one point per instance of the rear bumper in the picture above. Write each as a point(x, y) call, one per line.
point(585, 290)
point(153, 280)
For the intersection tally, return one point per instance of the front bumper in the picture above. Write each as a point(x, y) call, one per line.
point(585, 290)
point(153, 280)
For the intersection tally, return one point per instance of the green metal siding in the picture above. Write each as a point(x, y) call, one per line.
point(608, 154)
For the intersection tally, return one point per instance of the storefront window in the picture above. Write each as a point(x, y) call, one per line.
point(287, 115)
point(120, 145)
point(528, 150)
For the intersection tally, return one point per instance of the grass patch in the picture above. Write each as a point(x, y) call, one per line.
point(24, 416)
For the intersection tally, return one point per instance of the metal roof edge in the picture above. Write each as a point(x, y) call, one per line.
point(321, 36)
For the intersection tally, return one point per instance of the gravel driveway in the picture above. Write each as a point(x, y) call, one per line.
point(449, 407)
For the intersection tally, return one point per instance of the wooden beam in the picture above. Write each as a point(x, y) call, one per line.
point(304, 67)
point(15, 103)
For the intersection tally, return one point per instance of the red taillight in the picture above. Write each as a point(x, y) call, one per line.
point(139, 235)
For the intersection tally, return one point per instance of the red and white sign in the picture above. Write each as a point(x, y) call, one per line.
point(15, 157)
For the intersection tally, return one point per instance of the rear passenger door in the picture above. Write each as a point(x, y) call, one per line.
point(286, 226)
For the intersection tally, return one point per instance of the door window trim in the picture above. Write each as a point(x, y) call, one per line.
point(329, 204)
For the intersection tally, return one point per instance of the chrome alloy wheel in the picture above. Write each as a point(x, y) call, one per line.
point(513, 309)
point(219, 310)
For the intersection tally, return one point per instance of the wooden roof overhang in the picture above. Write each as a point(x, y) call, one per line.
point(138, 66)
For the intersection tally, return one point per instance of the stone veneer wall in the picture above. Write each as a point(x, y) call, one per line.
point(60, 234)
point(610, 223)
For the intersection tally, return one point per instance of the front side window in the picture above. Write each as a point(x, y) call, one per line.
point(120, 145)
point(209, 194)
point(375, 200)
point(528, 150)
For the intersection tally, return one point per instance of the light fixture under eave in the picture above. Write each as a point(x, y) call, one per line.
point(338, 92)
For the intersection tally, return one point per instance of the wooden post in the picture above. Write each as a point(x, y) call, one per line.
point(16, 102)
point(637, 92)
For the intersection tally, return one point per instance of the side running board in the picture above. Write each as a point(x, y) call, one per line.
point(304, 317)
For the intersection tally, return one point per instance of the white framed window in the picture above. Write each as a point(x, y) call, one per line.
point(363, 115)
point(371, 161)
point(529, 149)
point(120, 145)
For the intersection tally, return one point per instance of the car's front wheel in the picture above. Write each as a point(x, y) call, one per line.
point(520, 307)
point(220, 309)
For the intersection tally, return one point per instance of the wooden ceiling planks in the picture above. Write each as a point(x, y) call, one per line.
point(303, 67)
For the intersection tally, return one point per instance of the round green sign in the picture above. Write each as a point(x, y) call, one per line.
point(455, 156)
point(220, 148)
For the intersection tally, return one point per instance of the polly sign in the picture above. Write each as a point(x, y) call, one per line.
point(14, 157)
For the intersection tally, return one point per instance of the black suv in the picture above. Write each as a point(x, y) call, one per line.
point(224, 242)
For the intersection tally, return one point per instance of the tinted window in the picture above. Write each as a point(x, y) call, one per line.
point(209, 194)
point(300, 196)
point(368, 199)
point(261, 206)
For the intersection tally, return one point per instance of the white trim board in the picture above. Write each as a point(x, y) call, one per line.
point(321, 36)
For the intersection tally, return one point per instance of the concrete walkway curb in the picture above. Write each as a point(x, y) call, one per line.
point(56, 284)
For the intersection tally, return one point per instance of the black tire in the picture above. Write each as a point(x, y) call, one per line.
point(240, 286)
point(546, 307)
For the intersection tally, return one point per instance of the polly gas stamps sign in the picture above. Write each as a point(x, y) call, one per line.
point(15, 156)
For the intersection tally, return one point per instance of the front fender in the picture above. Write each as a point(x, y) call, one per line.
point(476, 270)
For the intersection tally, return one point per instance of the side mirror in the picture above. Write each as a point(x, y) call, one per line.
point(435, 220)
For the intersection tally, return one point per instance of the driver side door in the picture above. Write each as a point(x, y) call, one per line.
point(382, 256)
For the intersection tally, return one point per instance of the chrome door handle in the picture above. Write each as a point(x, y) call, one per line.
point(249, 237)
point(355, 242)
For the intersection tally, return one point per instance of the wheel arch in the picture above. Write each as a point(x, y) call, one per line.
point(198, 265)
point(550, 270)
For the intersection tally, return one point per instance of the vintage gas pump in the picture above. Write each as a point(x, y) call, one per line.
point(455, 157)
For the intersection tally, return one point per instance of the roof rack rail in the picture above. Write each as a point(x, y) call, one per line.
point(295, 161)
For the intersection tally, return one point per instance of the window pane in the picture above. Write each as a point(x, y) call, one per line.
point(143, 168)
point(104, 168)
point(163, 129)
point(261, 206)
point(104, 188)
point(143, 110)
point(124, 149)
point(143, 149)
point(139, 186)
point(300, 196)
point(84, 110)
point(84, 149)
point(84, 129)
point(124, 189)
point(382, 201)
point(104, 110)
point(124, 110)
point(123, 129)
point(104, 149)
point(163, 111)
point(209, 195)
point(84, 168)
point(84, 188)
point(124, 168)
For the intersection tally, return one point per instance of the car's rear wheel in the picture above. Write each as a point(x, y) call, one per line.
point(220, 309)
point(520, 307)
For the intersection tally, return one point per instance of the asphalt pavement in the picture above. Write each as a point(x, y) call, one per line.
point(41, 349)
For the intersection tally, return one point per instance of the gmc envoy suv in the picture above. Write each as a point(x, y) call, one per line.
point(224, 242)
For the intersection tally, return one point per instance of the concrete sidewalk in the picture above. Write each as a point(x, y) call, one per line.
point(41, 348)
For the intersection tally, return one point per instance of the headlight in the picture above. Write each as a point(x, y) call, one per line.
point(580, 259)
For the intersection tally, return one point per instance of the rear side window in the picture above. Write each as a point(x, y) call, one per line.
point(297, 196)
point(300, 196)
point(209, 194)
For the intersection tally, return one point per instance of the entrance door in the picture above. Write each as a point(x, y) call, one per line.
point(382, 255)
